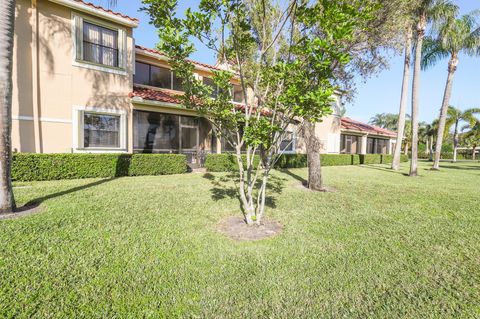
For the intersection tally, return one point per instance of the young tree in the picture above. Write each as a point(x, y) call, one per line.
point(281, 52)
point(7, 11)
point(452, 37)
point(427, 11)
point(454, 117)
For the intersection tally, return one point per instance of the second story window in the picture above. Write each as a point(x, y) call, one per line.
point(238, 94)
point(100, 45)
point(152, 75)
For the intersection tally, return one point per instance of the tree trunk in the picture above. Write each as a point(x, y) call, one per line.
point(315, 181)
point(452, 67)
point(430, 150)
point(405, 151)
point(7, 22)
point(427, 146)
point(403, 100)
point(415, 94)
point(474, 150)
point(455, 141)
point(249, 209)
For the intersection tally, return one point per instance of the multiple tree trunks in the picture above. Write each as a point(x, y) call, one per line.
point(7, 12)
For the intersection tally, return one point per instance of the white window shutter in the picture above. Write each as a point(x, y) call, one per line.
point(122, 52)
point(78, 33)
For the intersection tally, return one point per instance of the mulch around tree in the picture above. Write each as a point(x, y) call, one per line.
point(235, 228)
point(22, 212)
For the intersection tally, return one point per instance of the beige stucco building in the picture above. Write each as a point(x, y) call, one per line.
point(80, 84)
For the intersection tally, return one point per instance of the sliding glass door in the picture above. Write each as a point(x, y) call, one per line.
point(155, 132)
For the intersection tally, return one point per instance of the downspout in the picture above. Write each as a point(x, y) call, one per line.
point(35, 80)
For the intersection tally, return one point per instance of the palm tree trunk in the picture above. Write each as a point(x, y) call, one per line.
point(415, 94)
point(474, 150)
point(430, 150)
point(315, 181)
point(403, 100)
point(455, 141)
point(452, 67)
point(7, 12)
point(427, 146)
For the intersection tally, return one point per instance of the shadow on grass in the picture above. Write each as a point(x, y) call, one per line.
point(384, 169)
point(462, 168)
point(37, 201)
point(226, 186)
point(295, 176)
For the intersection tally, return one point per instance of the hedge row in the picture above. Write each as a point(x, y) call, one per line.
point(227, 162)
point(447, 156)
point(43, 167)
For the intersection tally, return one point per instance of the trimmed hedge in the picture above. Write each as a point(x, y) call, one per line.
point(43, 167)
point(227, 162)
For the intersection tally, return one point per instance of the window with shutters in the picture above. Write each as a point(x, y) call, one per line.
point(99, 45)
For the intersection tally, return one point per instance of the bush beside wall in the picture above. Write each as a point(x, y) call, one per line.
point(43, 167)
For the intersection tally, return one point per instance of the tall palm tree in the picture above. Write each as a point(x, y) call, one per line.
point(403, 99)
point(452, 37)
point(430, 131)
point(7, 12)
point(427, 11)
point(454, 117)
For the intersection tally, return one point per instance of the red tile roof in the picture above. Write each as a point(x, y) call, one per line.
point(349, 124)
point(169, 96)
point(89, 4)
point(208, 66)
point(157, 95)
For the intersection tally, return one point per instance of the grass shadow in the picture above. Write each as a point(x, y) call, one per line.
point(37, 201)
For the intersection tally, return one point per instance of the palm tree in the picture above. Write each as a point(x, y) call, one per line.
point(427, 11)
point(7, 12)
point(453, 37)
point(454, 117)
point(385, 120)
point(403, 99)
point(472, 137)
point(430, 131)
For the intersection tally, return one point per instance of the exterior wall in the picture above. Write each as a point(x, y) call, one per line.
point(47, 86)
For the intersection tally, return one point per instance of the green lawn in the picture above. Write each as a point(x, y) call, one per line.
point(384, 246)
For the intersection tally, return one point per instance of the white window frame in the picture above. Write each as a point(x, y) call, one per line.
point(77, 39)
point(78, 130)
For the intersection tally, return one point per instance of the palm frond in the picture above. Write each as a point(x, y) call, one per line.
point(432, 52)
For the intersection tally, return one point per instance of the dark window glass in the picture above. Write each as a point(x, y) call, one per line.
point(158, 132)
point(287, 144)
point(100, 130)
point(238, 94)
point(177, 82)
point(160, 77)
point(370, 145)
point(100, 45)
point(142, 73)
point(209, 82)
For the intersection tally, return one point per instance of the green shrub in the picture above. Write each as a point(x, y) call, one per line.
point(225, 162)
point(366, 159)
point(292, 161)
point(339, 159)
point(42, 167)
point(157, 164)
point(403, 158)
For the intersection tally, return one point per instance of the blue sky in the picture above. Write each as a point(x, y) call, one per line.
point(378, 94)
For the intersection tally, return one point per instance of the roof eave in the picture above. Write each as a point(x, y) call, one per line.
point(97, 12)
